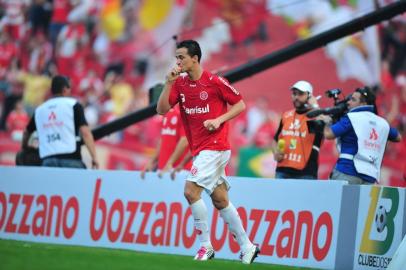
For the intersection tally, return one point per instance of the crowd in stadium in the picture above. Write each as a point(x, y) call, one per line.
point(107, 61)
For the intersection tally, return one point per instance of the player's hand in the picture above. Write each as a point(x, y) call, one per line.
point(149, 167)
point(173, 74)
point(175, 171)
point(211, 124)
point(143, 173)
point(164, 170)
point(277, 156)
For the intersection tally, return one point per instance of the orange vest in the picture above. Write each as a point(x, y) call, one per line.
point(298, 140)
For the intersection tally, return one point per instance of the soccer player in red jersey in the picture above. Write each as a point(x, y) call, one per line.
point(203, 98)
point(172, 145)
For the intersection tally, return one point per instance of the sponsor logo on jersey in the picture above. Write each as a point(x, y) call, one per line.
point(373, 135)
point(168, 131)
point(197, 110)
point(52, 116)
point(295, 124)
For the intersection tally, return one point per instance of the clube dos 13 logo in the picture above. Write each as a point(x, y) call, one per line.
point(379, 228)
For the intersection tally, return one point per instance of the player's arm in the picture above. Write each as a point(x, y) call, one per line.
point(188, 157)
point(153, 161)
point(236, 109)
point(177, 153)
point(163, 105)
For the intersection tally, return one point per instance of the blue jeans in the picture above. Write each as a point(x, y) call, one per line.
point(63, 163)
point(283, 175)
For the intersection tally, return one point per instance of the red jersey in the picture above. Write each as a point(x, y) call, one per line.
point(17, 121)
point(8, 51)
point(201, 100)
point(60, 11)
point(171, 131)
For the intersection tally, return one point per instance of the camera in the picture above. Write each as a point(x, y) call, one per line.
point(336, 112)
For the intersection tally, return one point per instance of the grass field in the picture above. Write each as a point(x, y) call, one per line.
point(17, 255)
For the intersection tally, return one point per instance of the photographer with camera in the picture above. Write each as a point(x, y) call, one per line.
point(362, 136)
point(296, 149)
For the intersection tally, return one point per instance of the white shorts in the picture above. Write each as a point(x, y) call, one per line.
point(208, 170)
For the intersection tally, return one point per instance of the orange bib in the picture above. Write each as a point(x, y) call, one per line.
point(298, 140)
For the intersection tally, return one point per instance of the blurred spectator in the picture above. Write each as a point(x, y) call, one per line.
point(394, 46)
point(91, 108)
point(59, 18)
point(71, 40)
point(40, 16)
point(8, 51)
point(257, 115)
point(121, 93)
point(11, 89)
point(14, 18)
point(40, 53)
point(16, 121)
point(36, 89)
point(264, 135)
point(236, 14)
point(401, 116)
point(91, 85)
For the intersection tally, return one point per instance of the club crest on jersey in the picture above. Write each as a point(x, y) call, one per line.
point(204, 95)
point(174, 120)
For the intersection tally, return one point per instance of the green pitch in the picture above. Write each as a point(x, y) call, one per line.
point(17, 255)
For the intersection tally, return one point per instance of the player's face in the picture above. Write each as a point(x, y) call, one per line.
point(355, 100)
point(184, 60)
point(299, 98)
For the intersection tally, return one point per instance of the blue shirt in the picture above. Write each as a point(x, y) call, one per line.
point(345, 132)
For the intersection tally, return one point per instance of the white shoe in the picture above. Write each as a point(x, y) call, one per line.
point(249, 255)
point(204, 254)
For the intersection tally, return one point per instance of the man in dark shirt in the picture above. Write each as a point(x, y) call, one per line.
point(59, 122)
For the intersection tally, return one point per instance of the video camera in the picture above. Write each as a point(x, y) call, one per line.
point(336, 112)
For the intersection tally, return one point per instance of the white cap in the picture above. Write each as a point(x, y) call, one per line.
point(303, 86)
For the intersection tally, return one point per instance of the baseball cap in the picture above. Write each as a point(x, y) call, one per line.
point(303, 86)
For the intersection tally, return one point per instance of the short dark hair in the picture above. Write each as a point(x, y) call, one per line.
point(192, 46)
point(368, 96)
point(59, 82)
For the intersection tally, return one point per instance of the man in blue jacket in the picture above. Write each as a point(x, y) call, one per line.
point(361, 137)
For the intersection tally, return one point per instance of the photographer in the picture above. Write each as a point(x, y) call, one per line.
point(362, 136)
point(59, 122)
point(296, 149)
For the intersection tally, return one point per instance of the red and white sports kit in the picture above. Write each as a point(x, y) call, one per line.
point(201, 100)
point(171, 131)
